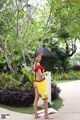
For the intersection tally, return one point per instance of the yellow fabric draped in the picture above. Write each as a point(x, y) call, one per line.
point(42, 89)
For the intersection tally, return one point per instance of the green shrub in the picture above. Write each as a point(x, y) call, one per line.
point(71, 75)
point(15, 97)
point(7, 81)
point(26, 86)
point(61, 76)
point(74, 75)
point(27, 71)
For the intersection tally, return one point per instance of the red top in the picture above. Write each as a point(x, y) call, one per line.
point(38, 67)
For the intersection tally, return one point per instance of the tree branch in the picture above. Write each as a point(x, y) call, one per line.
point(17, 26)
point(10, 23)
point(42, 38)
point(6, 56)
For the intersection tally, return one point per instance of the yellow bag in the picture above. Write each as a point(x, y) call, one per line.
point(42, 89)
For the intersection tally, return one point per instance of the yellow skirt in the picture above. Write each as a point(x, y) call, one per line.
point(42, 89)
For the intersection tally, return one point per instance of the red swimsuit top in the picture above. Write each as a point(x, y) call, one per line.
point(38, 67)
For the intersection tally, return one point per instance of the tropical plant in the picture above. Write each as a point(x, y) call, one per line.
point(7, 81)
point(25, 25)
point(27, 71)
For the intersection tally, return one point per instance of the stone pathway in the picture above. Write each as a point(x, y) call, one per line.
point(71, 100)
point(70, 111)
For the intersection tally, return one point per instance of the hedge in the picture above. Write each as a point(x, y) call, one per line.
point(14, 97)
point(71, 75)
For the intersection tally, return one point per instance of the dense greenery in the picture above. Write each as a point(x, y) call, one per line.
point(24, 27)
point(71, 75)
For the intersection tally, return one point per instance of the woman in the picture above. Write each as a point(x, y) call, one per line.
point(40, 86)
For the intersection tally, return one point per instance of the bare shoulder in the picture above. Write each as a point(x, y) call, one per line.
point(37, 64)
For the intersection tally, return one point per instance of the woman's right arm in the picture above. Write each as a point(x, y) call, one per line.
point(40, 73)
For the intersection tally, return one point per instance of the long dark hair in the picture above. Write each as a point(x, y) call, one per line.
point(36, 54)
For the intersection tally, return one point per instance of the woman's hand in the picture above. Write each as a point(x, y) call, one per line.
point(45, 73)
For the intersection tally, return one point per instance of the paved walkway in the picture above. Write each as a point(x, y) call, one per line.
point(70, 111)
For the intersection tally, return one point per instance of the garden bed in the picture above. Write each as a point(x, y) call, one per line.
point(14, 97)
point(56, 104)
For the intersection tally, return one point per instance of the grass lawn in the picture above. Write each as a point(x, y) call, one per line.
point(57, 103)
point(29, 110)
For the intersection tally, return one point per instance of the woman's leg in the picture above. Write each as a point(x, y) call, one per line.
point(36, 102)
point(46, 109)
